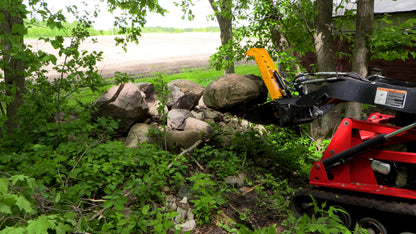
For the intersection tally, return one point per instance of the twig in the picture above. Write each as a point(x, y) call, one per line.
point(185, 152)
point(199, 165)
point(239, 214)
point(78, 161)
point(252, 188)
point(191, 148)
point(96, 200)
point(99, 213)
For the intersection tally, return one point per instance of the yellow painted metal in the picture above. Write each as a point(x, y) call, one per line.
point(267, 68)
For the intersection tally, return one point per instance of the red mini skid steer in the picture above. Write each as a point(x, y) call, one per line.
point(369, 167)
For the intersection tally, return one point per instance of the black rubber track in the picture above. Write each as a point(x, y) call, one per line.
point(397, 214)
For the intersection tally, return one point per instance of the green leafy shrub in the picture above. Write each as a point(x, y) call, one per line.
point(104, 185)
point(221, 161)
point(279, 148)
point(208, 196)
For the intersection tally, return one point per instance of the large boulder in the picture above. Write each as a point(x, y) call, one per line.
point(123, 102)
point(184, 94)
point(234, 92)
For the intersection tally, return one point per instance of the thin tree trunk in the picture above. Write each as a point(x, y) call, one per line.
point(325, 55)
point(361, 54)
point(225, 22)
point(12, 66)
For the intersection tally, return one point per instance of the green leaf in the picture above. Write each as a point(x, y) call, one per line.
point(108, 204)
point(16, 178)
point(119, 203)
point(24, 204)
point(39, 226)
point(145, 209)
point(4, 208)
point(18, 29)
point(4, 185)
point(63, 228)
point(58, 197)
point(13, 230)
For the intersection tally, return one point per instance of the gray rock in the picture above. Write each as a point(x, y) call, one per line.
point(146, 87)
point(187, 226)
point(198, 125)
point(190, 215)
point(198, 115)
point(184, 191)
point(123, 102)
point(212, 114)
point(234, 180)
point(154, 113)
point(137, 134)
point(177, 117)
point(174, 95)
point(184, 200)
point(201, 104)
point(177, 141)
point(171, 203)
point(180, 88)
point(181, 215)
point(185, 102)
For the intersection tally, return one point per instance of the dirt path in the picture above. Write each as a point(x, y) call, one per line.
point(156, 52)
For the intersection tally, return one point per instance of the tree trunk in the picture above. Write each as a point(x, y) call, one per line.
point(364, 25)
point(224, 17)
point(325, 55)
point(323, 38)
point(11, 64)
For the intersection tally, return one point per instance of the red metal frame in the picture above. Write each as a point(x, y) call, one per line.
point(357, 174)
point(376, 118)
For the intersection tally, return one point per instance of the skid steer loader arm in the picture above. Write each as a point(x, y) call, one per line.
point(269, 72)
point(286, 109)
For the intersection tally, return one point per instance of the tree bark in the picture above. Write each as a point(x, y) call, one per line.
point(325, 55)
point(11, 64)
point(364, 25)
point(224, 17)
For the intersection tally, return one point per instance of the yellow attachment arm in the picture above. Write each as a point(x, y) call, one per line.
point(267, 69)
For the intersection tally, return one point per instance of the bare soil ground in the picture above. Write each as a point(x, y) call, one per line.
point(156, 52)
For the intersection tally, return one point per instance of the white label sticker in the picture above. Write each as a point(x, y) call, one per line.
point(390, 97)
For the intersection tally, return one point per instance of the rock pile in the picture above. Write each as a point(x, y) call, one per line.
point(184, 119)
point(190, 108)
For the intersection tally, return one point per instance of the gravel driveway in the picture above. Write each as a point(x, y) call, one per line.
point(156, 52)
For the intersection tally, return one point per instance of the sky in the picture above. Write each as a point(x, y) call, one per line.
point(173, 19)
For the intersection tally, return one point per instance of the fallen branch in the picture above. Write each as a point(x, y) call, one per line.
point(252, 188)
point(185, 152)
point(238, 215)
point(191, 148)
point(97, 214)
point(199, 165)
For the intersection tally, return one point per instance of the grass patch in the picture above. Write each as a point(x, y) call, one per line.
point(41, 29)
point(202, 76)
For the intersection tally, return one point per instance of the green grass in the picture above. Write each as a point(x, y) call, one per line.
point(40, 29)
point(202, 76)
